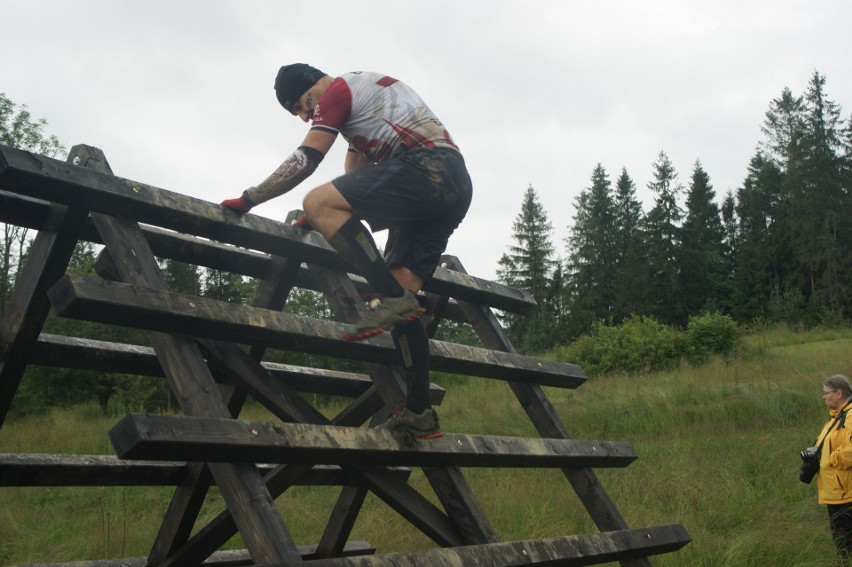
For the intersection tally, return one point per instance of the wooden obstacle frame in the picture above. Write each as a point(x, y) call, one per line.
point(211, 352)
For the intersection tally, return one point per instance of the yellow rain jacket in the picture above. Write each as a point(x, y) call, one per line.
point(834, 479)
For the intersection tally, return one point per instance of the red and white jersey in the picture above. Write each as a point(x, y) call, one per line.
point(378, 115)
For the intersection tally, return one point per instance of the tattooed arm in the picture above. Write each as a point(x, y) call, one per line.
point(292, 171)
point(296, 168)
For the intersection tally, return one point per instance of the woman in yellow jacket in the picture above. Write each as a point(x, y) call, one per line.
point(834, 479)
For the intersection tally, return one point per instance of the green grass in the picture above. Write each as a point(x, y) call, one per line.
point(718, 452)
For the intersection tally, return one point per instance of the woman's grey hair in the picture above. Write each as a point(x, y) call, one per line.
point(839, 382)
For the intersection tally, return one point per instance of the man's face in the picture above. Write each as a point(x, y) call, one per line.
point(304, 107)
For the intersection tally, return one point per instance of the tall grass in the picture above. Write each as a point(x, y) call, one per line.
point(718, 452)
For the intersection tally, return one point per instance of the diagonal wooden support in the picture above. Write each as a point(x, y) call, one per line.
point(546, 421)
point(28, 305)
point(186, 503)
point(262, 528)
point(190, 494)
point(58, 229)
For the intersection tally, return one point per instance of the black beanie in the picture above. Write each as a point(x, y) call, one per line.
point(293, 81)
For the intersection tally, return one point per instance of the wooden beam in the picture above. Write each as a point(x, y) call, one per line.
point(589, 549)
point(52, 180)
point(88, 354)
point(31, 469)
point(226, 558)
point(141, 307)
point(139, 436)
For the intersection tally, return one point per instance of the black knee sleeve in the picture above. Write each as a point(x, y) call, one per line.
point(356, 245)
point(412, 343)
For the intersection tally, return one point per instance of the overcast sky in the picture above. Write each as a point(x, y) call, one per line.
point(178, 94)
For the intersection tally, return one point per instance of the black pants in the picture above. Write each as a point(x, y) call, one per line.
point(840, 520)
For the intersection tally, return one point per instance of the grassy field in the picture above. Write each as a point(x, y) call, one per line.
point(718, 452)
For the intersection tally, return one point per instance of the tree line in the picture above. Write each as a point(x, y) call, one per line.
point(777, 249)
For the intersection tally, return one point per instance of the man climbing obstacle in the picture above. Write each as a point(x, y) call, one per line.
point(403, 173)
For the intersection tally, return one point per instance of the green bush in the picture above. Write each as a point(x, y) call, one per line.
point(642, 344)
point(709, 334)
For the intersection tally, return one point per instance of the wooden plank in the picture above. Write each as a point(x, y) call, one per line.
point(141, 307)
point(592, 549)
point(33, 469)
point(226, 558)
point(44, 178)
point(101, 356)
point(161, 437)
point(22, 211)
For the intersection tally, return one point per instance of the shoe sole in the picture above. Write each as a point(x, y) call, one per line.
point(412, 315)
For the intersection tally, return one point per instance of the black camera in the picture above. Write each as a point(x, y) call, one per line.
point(810, 464)
point(810, 454)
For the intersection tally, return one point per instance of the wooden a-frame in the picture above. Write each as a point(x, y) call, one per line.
point(211, 353)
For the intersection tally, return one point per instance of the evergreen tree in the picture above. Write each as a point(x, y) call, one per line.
point(823, 229)
point(592, 255)
point(784, 128)
point(632, 278)
point(728, 210)
point(662, 234)
point(751, 276)
point(805, 138)
point(528, 265)
point(702, 259)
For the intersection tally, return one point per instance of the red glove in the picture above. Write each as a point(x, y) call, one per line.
point(303, 223)
point(240, 205)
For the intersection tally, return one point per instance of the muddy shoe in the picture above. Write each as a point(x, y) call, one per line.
point(416, 425)
point(384, 314)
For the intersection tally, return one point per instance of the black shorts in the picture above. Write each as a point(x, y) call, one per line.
point(420, 196)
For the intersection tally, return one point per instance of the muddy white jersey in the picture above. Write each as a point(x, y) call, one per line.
point(379, 115)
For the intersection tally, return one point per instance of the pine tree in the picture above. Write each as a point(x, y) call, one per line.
point(702, 259)
point(823, 228)
point(528, 265)
point(592, 255)
point(762, 249)
point(663, 237)
point(805, 138)
point(632, 278)
point(728, 210)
